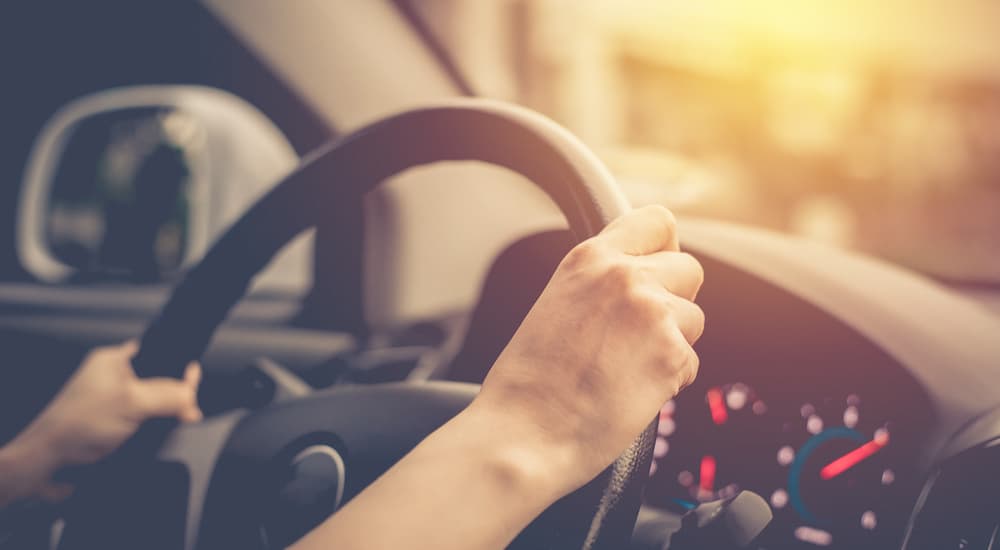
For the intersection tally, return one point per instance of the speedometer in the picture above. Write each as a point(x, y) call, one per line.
point(825, 466)
point(704, 451)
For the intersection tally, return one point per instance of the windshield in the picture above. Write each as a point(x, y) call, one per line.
point(869, 125)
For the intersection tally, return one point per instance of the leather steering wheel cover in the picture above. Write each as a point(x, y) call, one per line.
point(460, 130)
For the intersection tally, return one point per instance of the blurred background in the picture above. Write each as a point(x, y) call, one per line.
point(871, 125)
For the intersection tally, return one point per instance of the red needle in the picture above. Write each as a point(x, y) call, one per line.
point(707, 479)
point(717, 406)
point(852, 458)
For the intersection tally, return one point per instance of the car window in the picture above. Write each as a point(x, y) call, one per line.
point(844, 122)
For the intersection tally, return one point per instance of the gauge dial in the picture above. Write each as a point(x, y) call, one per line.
point(703, 458)
point(837, 475)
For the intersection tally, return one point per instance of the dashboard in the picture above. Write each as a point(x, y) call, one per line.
point(859, 437)
point(829, 384)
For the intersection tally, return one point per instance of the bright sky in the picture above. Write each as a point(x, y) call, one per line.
point(935, 35)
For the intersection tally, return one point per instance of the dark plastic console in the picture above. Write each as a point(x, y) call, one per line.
point(960, 506)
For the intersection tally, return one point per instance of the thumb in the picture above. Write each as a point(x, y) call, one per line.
point(166, 397)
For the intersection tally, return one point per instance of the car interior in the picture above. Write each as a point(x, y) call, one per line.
point(314, 200)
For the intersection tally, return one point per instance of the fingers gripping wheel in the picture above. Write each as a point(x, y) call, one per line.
point(460, 130)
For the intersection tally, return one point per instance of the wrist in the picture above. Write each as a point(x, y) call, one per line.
point(521, 454)
point(14, 484)
point(26, 465)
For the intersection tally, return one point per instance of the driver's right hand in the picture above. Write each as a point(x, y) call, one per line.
point(606, 344)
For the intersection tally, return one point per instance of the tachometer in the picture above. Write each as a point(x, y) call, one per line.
point(838, 473)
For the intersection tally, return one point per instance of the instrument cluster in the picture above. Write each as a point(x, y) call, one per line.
point(829, 466)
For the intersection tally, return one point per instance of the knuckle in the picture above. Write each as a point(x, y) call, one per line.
point(679, 364)
point(696, 268)
point(670, 310)
point(687, 368)
point(691, 371)
point(699, 319)
point(621, 276)
point(687, 319)
point(663, 214)
point(694, 322)
point(675, 348)
point(586, 253)
point(646, 308)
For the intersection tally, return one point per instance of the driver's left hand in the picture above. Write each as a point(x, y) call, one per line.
point(101, 406)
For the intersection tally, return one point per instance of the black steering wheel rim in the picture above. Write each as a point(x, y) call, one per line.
point(459, 130)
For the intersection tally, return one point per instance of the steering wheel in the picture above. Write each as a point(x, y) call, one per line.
point(236, 463)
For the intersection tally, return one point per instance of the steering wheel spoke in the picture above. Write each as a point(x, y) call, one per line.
point(197, 447)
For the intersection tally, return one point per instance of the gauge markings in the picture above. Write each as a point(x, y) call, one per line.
point(815, 536)
point(786, 455)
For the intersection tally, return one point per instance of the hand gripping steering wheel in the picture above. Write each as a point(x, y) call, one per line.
point(230, 460)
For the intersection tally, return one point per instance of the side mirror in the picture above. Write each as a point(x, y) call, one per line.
point(135, 183)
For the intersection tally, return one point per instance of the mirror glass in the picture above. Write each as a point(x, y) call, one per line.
point(121, 194)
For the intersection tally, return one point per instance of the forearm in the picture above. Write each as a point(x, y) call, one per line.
point(481, 474)
point(608, 341)
point(22, 468)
